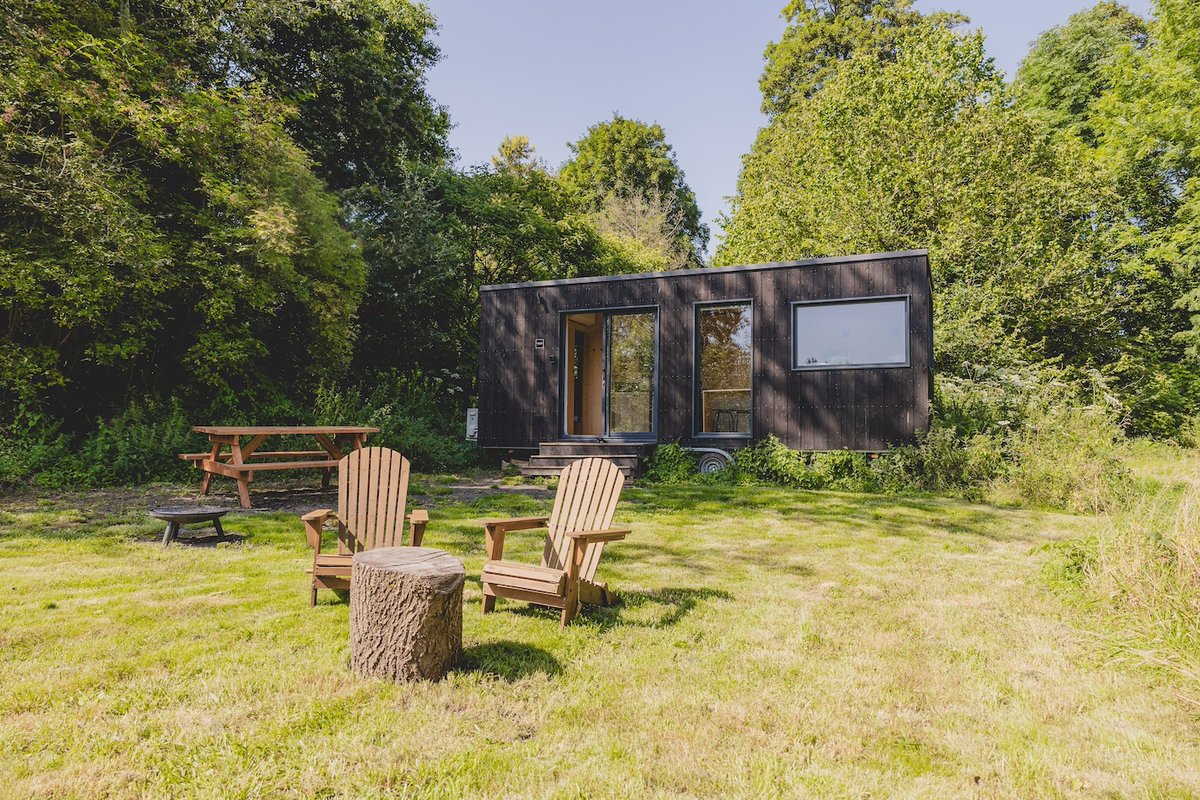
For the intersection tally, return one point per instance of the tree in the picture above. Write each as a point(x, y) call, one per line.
point(627, 157)
point(445, 233)
point(1008, 213)
point(1149, 147)
point(821, 34)
point(159, 230)
point(647, 229)
point(355, 73)
point(1069, 67)
point(517, 156)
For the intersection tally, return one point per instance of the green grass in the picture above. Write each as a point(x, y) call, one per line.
point(771, 643)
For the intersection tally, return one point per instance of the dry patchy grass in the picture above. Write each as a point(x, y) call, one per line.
point(771, 644)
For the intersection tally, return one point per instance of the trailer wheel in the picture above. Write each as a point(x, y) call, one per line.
point(714, 460)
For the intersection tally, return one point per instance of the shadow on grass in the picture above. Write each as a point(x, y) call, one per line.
point(207, 537)
point(670, 604)
point(509, 660)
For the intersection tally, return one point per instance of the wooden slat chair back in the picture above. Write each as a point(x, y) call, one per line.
point(372, 491)
point(372, 494)
point(586, 500)
point(576, 531)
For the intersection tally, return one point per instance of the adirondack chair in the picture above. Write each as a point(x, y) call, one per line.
point(372, 490)
point(577, 530)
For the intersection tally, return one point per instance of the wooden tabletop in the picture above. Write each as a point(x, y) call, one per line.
point(272, 430)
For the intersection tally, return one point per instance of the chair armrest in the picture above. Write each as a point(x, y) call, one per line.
point(494, 530)
point(314, 521)
point(319, 514)
point(587, 537)
point(516, 524)
point(417, 521)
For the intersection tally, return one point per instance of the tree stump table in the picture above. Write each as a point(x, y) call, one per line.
point(405, 613)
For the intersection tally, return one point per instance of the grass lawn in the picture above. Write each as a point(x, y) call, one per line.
point(770, 644)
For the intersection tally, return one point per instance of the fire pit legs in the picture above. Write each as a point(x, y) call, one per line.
point(178, 516)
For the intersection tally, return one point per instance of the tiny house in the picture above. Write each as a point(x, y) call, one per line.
point(825, 353)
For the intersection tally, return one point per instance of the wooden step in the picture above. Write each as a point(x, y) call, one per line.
point(623, 460)
point(591, 448)
point(552, 457)
point(530, 471)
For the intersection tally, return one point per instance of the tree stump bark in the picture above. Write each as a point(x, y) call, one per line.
point(405, 613)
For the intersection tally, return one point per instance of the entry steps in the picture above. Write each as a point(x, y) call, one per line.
point(553, 456)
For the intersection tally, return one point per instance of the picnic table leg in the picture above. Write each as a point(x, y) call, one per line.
point(327, 474)
point(235, 459)
point(206, 483)
point(330, 446)
point(243, 492)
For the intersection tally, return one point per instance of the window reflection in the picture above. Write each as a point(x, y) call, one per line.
point(631, 373)
point(847, 334)
point(724, 355)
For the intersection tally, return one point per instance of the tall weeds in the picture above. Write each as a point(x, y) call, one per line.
point(1143, 568)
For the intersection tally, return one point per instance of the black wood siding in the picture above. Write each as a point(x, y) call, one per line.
point(828, 409)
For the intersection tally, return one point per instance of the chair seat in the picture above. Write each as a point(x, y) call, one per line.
point(334, 563)
point(524, 576)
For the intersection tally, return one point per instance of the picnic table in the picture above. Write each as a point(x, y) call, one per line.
point(233, 458)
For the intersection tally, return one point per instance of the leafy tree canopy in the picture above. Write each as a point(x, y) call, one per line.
point(166, 224)
point(437, 237)
point(1148, 145)
point(821, 34)
point(627, 157)
point(862, 165)
point(1068, 68)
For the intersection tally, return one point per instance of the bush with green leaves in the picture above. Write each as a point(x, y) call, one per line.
point(670, 463)
point(943, 461)
point(771, 461)
point(416, 414)
point(1067, 456)
point(30, 443)
point(140, 445)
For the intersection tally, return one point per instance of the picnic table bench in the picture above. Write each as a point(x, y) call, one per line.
point(232, 458)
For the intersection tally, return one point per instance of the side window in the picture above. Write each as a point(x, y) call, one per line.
point(853, 333)
point(723, 364)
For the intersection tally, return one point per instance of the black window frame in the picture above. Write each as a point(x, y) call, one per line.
point(697, 309)
point(845, 301)
point(563, 377)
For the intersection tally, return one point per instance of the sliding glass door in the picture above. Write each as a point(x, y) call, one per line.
point(631, 351)
point(610, 380)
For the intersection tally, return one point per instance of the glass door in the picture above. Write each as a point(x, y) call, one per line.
point(631, 351)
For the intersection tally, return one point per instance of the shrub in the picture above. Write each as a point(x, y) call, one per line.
point(29, 444)
point(1067, 456)
point(416, 414)
point(942, 461)
point(670, 463)
point(1189, 432)
point(845, 470)
point(139, 445)
point(771, 461)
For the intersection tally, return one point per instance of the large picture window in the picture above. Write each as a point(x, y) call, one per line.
point(855, 333)
point(723, 363)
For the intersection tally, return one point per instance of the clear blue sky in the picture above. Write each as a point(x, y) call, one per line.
point(550, 68)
